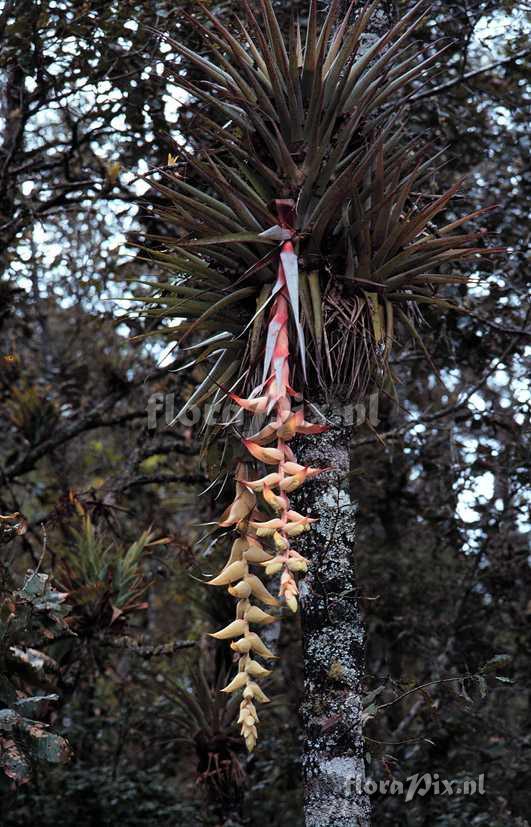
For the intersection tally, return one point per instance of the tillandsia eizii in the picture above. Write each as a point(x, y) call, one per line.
point(297, 152)
point(261, 512)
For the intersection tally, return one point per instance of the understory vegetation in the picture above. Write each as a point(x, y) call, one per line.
point(111, 709)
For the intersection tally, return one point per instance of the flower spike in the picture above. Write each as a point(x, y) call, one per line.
point(266, 540)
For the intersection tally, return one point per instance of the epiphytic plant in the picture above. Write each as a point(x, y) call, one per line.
point(105, 583)
point(301, 236)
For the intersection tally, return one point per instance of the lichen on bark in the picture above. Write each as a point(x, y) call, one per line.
point(333, 641)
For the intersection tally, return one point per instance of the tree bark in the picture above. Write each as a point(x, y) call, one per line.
point(333, 631)
point(333, 641)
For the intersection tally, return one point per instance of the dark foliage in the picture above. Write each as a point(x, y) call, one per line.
point(440, 480)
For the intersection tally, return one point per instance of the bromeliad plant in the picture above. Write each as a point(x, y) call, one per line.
point(105, 582)
point(300, 235)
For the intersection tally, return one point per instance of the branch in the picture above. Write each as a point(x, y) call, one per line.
point(424, 686)
point(146, 650)
point(459, 405)
point(162, 479)
point(6, 12)
point(91, 422)
point(437, 90)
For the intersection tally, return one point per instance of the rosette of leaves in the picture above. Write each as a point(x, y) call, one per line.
point(316, 116)
point(33, 413)
point(105, 581)
point(30, 618)
point(204, 717)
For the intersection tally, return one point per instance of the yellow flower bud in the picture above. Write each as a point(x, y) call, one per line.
point(247, 713)
point(250, 742)
point(291, 601)
point(242, 646)
point(266, 528)
point(236, 683)
point(234, 629)
point(281, 544)
point(294, 529)
point(273, 500)
point(256, 615)
point(259, 646)
point(252, 710)
point(260, 696)
point(297, 564)
point(233, 572)
point(260, 591)
point(273, 567)
point(256, 670)
point(242, 590)
point(236, 552)
point(254, 554)
point(257, 485)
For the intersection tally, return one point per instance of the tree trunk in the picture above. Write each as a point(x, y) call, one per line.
point(333, 640)
point(333, 631)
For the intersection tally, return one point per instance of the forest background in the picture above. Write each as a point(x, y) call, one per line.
point(137, 731)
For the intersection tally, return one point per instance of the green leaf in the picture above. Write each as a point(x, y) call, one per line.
point(227, 238)
point(377, 315)
point(232, 298)
point(317, 304)
point(261, 303)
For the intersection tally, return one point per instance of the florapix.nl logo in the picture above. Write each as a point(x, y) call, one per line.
point(163, 411)
point(418, 785)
